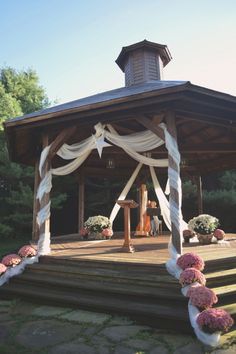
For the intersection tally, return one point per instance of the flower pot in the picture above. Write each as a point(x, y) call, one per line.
point(204, 239)
point(187, 239)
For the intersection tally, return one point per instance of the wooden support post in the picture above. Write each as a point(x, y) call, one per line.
point(127, 204)
point(174, 194)
point(199, 194)
point(35, 227)
point(81, 201)
point(45, 227)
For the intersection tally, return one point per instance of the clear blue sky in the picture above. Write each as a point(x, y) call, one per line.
point(72, 44)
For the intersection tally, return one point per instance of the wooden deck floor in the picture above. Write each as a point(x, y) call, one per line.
point(150, 250)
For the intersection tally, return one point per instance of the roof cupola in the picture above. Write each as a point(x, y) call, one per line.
point(143, 62)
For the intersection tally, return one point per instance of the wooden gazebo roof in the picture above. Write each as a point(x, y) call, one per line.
point(205, 122)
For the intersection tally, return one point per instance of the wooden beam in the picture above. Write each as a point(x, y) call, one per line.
point(208, 147)
point(198, 181)
point(35, 228)
point(174, 194)
point(147, 123)
point(205, 118)
point(60, 140)
point(81, 200)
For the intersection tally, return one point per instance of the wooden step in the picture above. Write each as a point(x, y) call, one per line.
point(220, 264)
point(129, 267)
point(116, 275)
point(154, 314)
point(105, 287)
point(223, 277)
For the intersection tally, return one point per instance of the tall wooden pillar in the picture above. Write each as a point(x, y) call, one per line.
point(45, 227)
point(81, 201)
point(174, 198)
point(199, 194)
point(35, 227)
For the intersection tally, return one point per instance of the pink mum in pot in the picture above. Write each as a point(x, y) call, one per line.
point(202, 297)
point(11, 260)
point(107, 232)
point(3, 268)
point(190, 260)
point(215, 320)
point(27, 251)
point(191, 275)
point(84, 231)
point(219, 234)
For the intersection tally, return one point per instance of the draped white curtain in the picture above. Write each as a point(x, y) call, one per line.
point(132, 144)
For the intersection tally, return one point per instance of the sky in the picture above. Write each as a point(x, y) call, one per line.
point(73, 44)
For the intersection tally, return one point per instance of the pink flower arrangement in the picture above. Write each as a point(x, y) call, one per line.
point(3, 268)
point(84, 231)
point(107, 232)
point(11, 260)
point(215, 320)
point(190, 260)
point(219, 234)
point(202, 297)
point(27, 251)
point(191, 275)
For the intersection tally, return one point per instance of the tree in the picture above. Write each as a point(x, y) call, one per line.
point(20, 93)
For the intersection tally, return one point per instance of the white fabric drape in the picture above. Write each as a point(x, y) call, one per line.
point(124, 192)
point(133, 144)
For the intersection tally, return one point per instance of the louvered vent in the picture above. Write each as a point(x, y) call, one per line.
point(143, 62)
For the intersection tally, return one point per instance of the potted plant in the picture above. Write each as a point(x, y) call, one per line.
point(214, 320)
point(187, 235)
point(96, 226)
point(204, 225)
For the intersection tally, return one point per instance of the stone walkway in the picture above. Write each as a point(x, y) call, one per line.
point(33, 329)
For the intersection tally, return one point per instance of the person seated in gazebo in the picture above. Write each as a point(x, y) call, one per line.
point(153, 212)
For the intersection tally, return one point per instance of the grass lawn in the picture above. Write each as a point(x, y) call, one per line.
point(12, 245)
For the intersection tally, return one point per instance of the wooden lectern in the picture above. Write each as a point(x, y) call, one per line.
point(127, 205)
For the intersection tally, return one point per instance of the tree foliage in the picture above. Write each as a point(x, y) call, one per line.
point(20, 93)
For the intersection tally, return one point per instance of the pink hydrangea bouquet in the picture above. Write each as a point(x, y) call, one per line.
point(202, 297)
point(107, 232)
point(215, 320)
point(27, 251)
point(219, 234)
point(11, 260)
point(3, 268)
point(190, 260)
point(191, 275)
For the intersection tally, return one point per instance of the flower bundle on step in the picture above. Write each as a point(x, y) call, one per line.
point(3, 268)
point(191, 275)
point(11, 260)
point(215, 320)
point(190, 260)
point(202, 297)
point(27, 251)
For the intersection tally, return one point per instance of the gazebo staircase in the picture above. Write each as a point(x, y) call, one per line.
point(145, 292)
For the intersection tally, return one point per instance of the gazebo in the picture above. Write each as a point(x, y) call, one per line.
point(171, 127)
point(200, 120)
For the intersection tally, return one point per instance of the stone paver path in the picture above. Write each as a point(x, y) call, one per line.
point(33, 329)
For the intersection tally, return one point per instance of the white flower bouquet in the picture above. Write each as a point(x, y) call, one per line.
point(203, 224)
point(96, 224)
